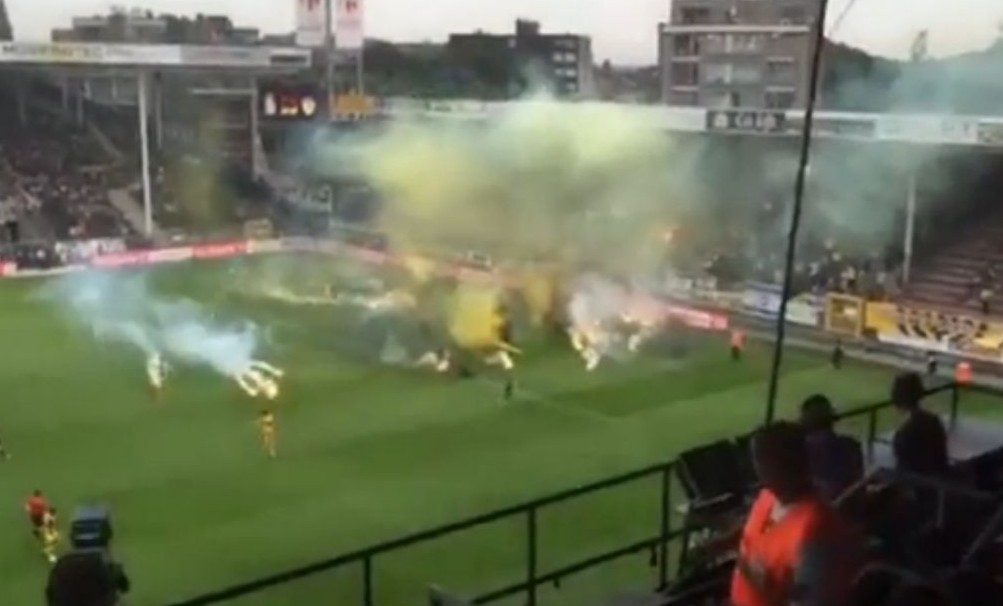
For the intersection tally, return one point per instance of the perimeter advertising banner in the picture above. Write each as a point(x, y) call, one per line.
point(311, 20)
point(930, 330)
point(764, 301)
point(349, 32)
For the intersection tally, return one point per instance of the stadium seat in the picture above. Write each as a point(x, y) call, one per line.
point(715, 472)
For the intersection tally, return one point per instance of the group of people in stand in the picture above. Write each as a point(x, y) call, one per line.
point(795, 547)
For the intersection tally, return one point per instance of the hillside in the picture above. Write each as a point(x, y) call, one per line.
point(964, 84)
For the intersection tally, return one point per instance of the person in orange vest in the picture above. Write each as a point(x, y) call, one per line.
point(737, 344)
point(794, 547)
point(36, 506)
point(963, 373)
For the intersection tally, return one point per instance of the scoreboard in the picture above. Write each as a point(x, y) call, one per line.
point(290, 103)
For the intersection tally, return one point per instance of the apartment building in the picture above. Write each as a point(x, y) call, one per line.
point(736, 53)
point(565, 59)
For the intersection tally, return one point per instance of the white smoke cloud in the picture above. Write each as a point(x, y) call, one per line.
point(121, 308)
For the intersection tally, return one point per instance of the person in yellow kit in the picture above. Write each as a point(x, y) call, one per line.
point(737, 344)
point(50, 536)
point(266, 425)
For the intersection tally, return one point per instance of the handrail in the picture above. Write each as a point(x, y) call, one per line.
point(530, 509)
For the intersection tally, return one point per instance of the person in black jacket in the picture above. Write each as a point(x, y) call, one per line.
point(86, 577)
point(920, 443)
point(837, 461)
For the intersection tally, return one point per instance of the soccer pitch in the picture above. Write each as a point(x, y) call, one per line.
point(366, 453)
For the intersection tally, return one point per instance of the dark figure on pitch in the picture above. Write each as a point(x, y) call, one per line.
point(932, 364)
point(838, 354)
point(737, 344)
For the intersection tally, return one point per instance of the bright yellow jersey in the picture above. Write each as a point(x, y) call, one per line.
point(267, 423)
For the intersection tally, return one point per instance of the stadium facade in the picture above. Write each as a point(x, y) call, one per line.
point(6, 31)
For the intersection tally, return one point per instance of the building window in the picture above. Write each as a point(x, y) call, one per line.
point(722, 100)
point(694, 16)
point(780, 70)
point(746, 74)
point(685, 45)
point(745, 43)
point(569, 73)
point(793, 15)
point(684, 74)
point(688, 98)
point(779, 99)
point(714, 43)
point(567, 43)
point(718, 73)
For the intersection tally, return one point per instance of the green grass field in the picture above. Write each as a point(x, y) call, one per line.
point(366, 454)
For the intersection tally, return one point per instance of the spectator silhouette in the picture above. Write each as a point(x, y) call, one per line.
point(837, 461)
point(920, 443)
point(918, 595)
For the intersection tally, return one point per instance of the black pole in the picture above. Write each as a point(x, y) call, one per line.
point(792, 235)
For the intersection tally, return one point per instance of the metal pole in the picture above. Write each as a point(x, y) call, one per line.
point(799, 186)
point(665, 528)
point(531, 540)
point(158, 111)
point(255, 160)
point(80, 109)
point(910, 226)
point(22, 105)
point(329, 50)
point(144, 153)
point(360, 62)
point(64, 90)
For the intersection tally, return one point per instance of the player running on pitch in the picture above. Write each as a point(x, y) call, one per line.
point(50, 536)
point(266, 428)
point(260, 378)
point(587, 342)
point(500, 353)
point(36, 507)
point(156, 373)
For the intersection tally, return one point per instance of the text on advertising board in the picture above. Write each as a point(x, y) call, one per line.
point(862, 127)
point(990, 133)
point(928, 129)
point(87, 53)
point(746, 121)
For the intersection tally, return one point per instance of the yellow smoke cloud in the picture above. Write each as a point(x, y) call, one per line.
point(473, 319)
point(575, 182)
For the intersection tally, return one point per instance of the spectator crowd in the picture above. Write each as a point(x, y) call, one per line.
point(813, 529)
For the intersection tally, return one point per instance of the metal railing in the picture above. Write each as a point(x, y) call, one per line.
point(657, 541)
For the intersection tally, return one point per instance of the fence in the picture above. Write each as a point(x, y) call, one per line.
point(657, 542)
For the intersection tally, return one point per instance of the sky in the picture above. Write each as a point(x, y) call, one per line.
point(623, 31)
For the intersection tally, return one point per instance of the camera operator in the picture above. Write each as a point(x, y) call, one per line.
point(87, 575)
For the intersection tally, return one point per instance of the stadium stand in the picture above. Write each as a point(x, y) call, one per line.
point(964, 276)
point(60, 169)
